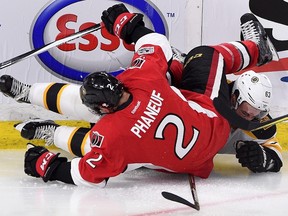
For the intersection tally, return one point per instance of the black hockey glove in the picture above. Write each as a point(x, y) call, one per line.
point(257, 158)
point(39, 162)
point(120, 22)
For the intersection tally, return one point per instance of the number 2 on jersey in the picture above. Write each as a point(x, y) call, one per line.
point(180, 151)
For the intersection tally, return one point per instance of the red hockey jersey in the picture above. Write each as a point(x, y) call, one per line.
point(177, 130)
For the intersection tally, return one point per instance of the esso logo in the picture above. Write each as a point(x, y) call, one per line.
point(97, 51)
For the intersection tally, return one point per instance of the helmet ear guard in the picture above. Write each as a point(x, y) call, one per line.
point(255, 89)
point(100, 89)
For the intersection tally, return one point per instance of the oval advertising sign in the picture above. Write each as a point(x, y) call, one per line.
point(97, 51)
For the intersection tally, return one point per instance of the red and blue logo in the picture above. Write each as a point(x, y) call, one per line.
point(93, 52)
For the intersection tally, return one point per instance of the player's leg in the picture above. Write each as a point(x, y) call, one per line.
point(204, 66)
point(61, 98)
point(58, 97)
point(203, 72)
point(255, 50)
point(74, 140)
point(238, 55)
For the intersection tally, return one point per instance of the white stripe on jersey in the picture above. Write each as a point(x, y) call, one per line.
point(218, 77)
point(156, 39)
point(194, 105)
point(77, 178)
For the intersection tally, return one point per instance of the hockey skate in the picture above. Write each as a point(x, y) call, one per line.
point(252, 29)
point(38, 129)
point(13, 88)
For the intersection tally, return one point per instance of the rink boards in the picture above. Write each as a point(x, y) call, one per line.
point(11, 139)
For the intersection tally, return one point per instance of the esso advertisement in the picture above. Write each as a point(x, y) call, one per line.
point(97, 51)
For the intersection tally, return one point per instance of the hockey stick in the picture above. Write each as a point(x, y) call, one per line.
point(193, 191)
point(237, 121)
point(50, 45)
point(176, 198)
point(258, 125)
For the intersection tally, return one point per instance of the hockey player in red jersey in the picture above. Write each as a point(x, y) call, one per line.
point(144, 121)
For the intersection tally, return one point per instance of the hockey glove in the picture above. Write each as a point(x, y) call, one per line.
point(257, 158)
point(120, 22)
point(39, 162)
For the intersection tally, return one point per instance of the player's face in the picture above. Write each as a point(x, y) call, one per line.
point(246, 111)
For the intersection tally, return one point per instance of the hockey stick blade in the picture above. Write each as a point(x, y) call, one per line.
point(48, 46)
point(176, 198)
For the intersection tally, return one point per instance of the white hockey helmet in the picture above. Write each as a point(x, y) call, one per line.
point(255, 89)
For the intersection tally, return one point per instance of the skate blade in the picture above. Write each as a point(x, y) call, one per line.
point(273, 50)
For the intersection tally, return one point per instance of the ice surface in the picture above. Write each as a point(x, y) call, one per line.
point(230, 190)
